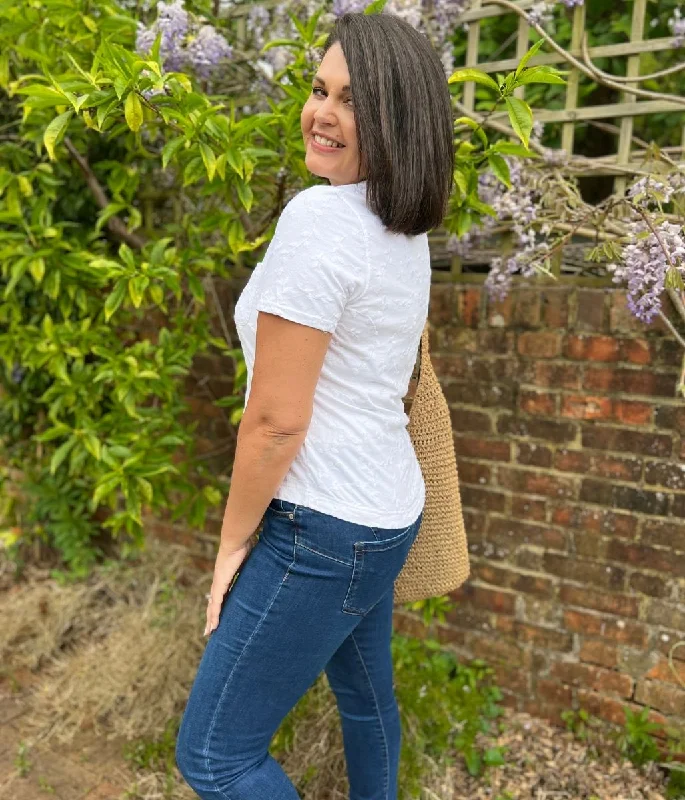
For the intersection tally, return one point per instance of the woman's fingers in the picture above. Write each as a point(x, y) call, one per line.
point(214, 607)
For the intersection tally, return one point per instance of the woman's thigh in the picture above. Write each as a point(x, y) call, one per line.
point(303, 589)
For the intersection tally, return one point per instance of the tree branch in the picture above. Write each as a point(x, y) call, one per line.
point(114, 224)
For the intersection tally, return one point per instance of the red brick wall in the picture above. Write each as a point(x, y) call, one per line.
point(570, 441)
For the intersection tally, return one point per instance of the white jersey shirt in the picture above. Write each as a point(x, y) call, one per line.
point(332, 265)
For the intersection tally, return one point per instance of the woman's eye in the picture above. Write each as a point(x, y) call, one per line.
point(316, 89)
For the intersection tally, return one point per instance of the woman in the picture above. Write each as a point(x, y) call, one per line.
point(330, 322)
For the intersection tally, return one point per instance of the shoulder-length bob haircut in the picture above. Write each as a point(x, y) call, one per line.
point(403, 117)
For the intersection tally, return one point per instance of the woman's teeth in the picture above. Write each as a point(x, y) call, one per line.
point(326, 142)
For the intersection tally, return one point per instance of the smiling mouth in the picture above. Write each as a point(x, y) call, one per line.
point(323, 141)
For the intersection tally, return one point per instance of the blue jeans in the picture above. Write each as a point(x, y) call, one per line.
point(315, 593)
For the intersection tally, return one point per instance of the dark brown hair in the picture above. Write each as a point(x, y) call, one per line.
point(403, 116)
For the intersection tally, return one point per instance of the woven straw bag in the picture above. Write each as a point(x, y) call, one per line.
point(438, 561)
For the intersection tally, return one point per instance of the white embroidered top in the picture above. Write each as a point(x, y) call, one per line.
point(332, 265)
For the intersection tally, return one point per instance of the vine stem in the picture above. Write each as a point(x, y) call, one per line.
point(587, 69)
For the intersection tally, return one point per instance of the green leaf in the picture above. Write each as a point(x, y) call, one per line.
point(376, 7)
point(526, 58)
point(521, 117)
point(513, 149)
point(245, 194)
point(194, 170)
point(541, 75)
point(115, 299)
point(133, 111)
point(170, 149)
point(476, 75)
point(37, 269)
point(500, 167)
point(55, 131)
point(209, 159)
point(61, 453)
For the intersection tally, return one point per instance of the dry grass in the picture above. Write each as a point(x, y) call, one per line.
point(117, 654)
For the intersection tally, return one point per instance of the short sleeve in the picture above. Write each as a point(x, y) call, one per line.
point(316, 261)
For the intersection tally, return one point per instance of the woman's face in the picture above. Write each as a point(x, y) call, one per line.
point(329, 112)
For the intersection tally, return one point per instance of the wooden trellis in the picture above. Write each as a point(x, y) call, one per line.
point(627, 160)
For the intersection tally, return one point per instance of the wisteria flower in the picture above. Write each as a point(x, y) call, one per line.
point(677, 25)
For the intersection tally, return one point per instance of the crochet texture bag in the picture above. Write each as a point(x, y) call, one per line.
point(438, 561)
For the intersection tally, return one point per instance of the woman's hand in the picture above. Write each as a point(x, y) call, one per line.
point(225, 568)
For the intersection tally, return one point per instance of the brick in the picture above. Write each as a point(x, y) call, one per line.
point(442, 304)
point(632, 412)
point(469, 306)
point(498, 342)
point(538, 403)
point(469, 472)
point(638, 381)
point(669, 353)
point(624, 469)
point(584, 571)
point(511, 532)
point(652, 585)
point(465, 420)
point(450, 365)
point(671, 417)
point(636, 351)
point(528, 508)
point(585, 597)
point(492, 649)
point(533, 455)
point(597, 652)
point(662, 671)
point(547, 430)
point(665, 533)
point(486, 598)
point(540, 344)
point(590, 312)
point(530, 482)
point(453, 338)
point(628, 497)
point(572, 461)
point(619, 631)
point(499, 312)
point(588, 544)
point(527, 308)
point(620, 318)
point(484, 395)
point(539, 637)
point(483, 499)
point(610, 709)
point(666, 614)
point(485, 449)
point(665, 642)
point(601, 437)
point(661, 696)
point(597, 520)
point(645, 557)
point(678, 505)
point(537, 585)
point(587, 407)
point(554, 307)
point(583, 462)
point(551, 375)
point(554, 692)
point(592, 348)
point(671, 476)
point(593, 677)
point(512, 678)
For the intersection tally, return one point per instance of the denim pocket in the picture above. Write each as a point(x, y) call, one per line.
point(282, 508)
point(376, 565)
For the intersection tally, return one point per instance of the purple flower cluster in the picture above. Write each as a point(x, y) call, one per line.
point(645, 264)
point(183, 43)
point(677, 25)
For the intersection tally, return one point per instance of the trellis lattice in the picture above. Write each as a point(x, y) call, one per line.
point(629, 156)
